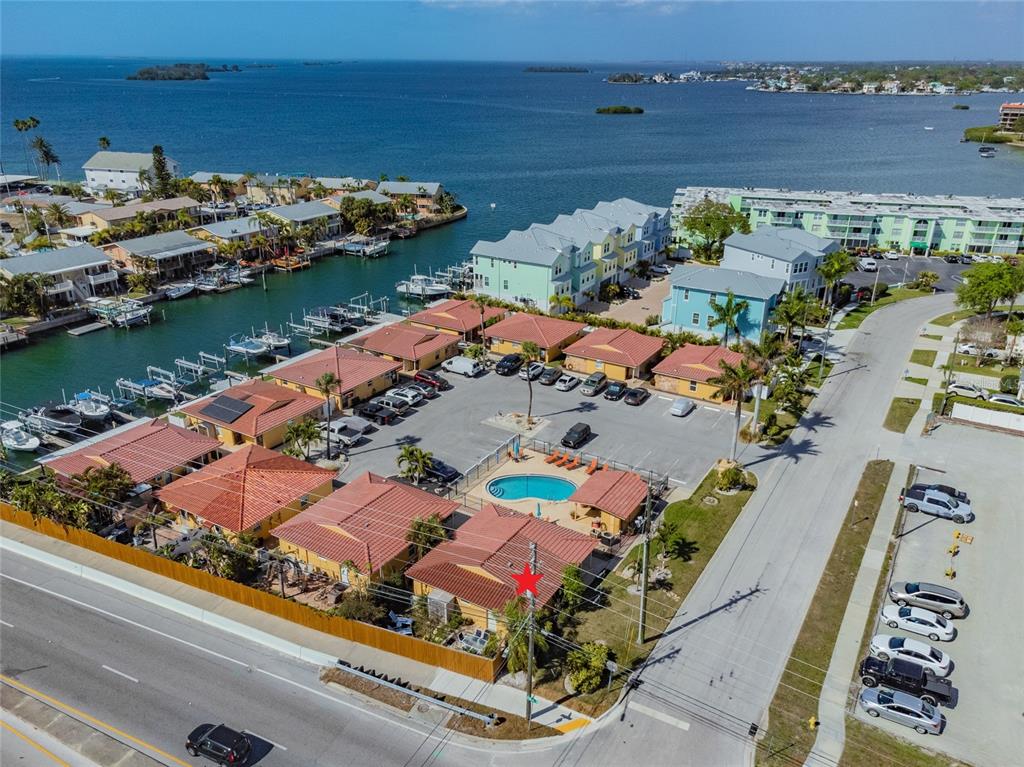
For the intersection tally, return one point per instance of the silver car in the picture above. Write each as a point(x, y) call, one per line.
point(408, 395)
point(902, 708)
point(391, 401)
point(947, 602)
point(594, 384)
point(1006, 399)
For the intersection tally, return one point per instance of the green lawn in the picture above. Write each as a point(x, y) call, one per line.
point(932, 336)
point(785, 421)
point(858, 315)
point(788, 739)
point(937, 403)
point(945, 320)
point(915, 380)
point(924, 357)
point(963, 364)
point(901, 413)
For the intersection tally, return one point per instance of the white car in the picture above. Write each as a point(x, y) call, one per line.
point(935, 662)
point(531, 371)
point(891, 255)
point(682, 407)
point(917, 620)
point(408, 395)
point(567, 382)
point(867, 265)
point(661, 269)
point(964, 389)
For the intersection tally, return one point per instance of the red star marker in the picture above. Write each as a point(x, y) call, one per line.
point(527, 580)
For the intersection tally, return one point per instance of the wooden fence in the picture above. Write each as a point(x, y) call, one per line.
point(475, 666)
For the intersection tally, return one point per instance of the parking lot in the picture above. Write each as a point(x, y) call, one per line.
point(906, 269)
point(453, 428)
point(985, 726)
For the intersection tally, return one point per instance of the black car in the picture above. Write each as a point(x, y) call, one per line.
point(509, 364)
point(549, 376)
point(439, 471)
point(907, 676)
point(219, 743)
point(636, 396)
point(373, 411)
point(616, 390)
point(952, 258)
point(576, 436)
point(952, 492)
point(433, 379)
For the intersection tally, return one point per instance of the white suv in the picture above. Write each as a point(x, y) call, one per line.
point(964, 389)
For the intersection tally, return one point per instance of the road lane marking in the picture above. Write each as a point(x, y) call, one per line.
point(655, 714)
point(37, 746)
point(8, 625)
point(81, 715)
point(121, 673)
point(265, 740)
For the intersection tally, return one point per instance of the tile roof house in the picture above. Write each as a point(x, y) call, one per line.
point(619, 354)
point(550, 334)
point(612, 497)
point(174, 254)
point(360, 374)
point(249, 491)
point(458, 316)
point(152, 451)
point(688, 369)
point(79, 271)
point(253, 412)
point(364, 523)
point(474, 570)
point(416, 348)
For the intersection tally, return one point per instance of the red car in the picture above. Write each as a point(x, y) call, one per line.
point(432, 379)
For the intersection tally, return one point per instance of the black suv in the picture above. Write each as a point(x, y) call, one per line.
point(576, 436)
point(508, 364)
point(439, 471)
point(375, 412)
point(218, 743)
point(616, 390)
point(907, 676)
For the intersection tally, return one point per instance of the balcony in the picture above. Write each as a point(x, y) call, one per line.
point(61, 287)
point(103, 278)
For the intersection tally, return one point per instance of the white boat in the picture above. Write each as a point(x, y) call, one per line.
point(274, 340)
point(15, 437)
point(929, 127)
point(368, 247)
point(89, 407)
point(208, 283)
point(421, 286)
point(51, 418)
point(132, 316)
point(246, 345)
point(180, 290)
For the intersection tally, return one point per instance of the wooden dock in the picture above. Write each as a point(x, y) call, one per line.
point(81, 330)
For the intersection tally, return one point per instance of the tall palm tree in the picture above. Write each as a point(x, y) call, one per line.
point(58, 216)
point(413, 462)
point(481, 304)
point(833, 268)
point(327, 386)
point(728, 315)
point(733, 384)
point(561, 301)
point(45, 154)
point(531, 353)
point(762, 357)
point(23, 126)
point(791, 310)
point(112, 196)
point(300, 435)
point(104, 142)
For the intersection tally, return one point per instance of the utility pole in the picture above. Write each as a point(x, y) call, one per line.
point(532, 627)
point(642, 624)
point(875, 286)
point(824, 348)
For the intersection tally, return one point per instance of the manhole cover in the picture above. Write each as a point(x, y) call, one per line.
point(423, 708)
point(709, 500)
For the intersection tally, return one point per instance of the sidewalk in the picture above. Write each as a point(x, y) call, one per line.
point(270, 631)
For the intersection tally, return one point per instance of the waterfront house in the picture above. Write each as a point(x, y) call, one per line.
point(360, 375)
point(232, 230)
point(790, 254)
point(251, 413)
point(335, 200)
point(459, 317)
point(688, 370)
point(234, 182)
point(311, 213)
point(342, 184)
point(168, 255)
point(612, 499)
point(416, 348)
point(79, 272)
point(357, 534)
point(126, 172)
point(152, 451)
point(263, 189)
point(472, 574)
point(252, 490)
point(694, 288)
point(621, 355)
point(160, 211)
point(425, 194)
point(550, 334)
point(1009, 114)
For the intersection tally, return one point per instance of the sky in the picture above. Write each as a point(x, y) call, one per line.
point(519, 30)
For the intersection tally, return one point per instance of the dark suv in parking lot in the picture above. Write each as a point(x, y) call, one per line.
point(373, 411)
point(508, 364)
point(219, 743)
point(576, 436)
point(439, 471)
point(907, 676)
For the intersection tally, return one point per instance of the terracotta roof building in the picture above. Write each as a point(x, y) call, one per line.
point(415, 348)
point(619, 354)
point(612, 497)
point(253, 412)
point(361, 375)
point(550, 334)
point(251, 490)
point(461, 317)
point(151, 451)
point(365, 523)
point(687, 370)
point(160, 210)
point(474, 571)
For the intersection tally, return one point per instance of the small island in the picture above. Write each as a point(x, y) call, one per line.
point(620, 110)
point(181, 72)
point(554, 70)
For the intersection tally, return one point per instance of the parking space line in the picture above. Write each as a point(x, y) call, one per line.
point(266, 740)
point(5, 623)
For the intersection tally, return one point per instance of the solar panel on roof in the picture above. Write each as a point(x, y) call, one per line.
point(226, 409)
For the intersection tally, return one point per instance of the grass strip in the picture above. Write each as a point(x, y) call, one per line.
point(932, 336)
point(861, 313)
point(924, 357)
point(961, 363)
point(915, 380)
point(901, 413)
point(945, 320)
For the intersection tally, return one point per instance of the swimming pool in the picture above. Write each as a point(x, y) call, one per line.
point(519, 486)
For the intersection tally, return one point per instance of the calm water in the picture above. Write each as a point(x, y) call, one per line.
point(530, 143)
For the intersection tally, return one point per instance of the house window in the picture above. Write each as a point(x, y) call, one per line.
point(686, 294)
point(505, 284)
point(712, 298)
point(696, 319)
point(711, 321)
point(693, 386)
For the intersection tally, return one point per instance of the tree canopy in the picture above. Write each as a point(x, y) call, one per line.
point(710, 223)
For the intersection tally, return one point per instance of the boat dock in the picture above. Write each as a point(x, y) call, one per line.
point(81, 330)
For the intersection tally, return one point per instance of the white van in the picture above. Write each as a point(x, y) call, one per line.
point(463, 366)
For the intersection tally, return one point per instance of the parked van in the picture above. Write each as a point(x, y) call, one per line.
point(463, 366)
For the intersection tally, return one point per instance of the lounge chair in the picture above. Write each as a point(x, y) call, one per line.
point(563, 460)
point(575, 463)
point(555, 456)
point(592, 467)
point(398, 620)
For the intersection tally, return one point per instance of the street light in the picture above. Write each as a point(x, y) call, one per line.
point(824, 348)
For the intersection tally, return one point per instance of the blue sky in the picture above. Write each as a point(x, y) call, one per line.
point(518, 30)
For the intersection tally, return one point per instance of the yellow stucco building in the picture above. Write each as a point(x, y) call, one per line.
point(688, 370)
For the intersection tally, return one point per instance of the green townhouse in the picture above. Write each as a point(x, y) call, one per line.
point(574, 255)
point(909, 223)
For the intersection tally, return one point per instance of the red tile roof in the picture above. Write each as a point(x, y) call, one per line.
point(242, 489)
point(618, 493)
point(146, 450)
point(497, 541)
point(543, 331)
point(618, 347)
point(462, 316)
point(405, 341)
point(693, 362)
point(353, 368)
point(272, 405)
point(366, 521)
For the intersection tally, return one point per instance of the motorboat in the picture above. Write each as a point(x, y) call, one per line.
point(984, 148)
point(16, 437)
point(180, 290)
point(132, 315)
point(148, 388)
point(274, 340)
point(90, 407)
point(209, 283)
point(988, 155)
point(246, 345)
point(51, 418)
point(421, 286)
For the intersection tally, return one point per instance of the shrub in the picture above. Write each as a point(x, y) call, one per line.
point(359, 607)
point(586, 666)
point(730, 479)
point(881, 289)
point(1009, 384)
point(652, 319)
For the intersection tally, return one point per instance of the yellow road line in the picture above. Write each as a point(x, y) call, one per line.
point(99, 722)
point(37, 746)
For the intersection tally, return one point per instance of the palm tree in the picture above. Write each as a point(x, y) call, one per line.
point(833, 268)
point(762, 357)
point(424, 534)
point(23, 126)
point(45, 153)
point(728, 314)
point(518, 650)
point(561, 301)
point(791, 311)
point(733, 384)
point(300, 435)
point(112, 196)
point(104, 142)
point(58, 216)
point(327, 385)
point(413, 462)
point(531, 353)
point(481, 303)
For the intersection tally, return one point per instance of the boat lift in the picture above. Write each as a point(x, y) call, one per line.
point(212, 361)
point(164, 376)
point(192, 372)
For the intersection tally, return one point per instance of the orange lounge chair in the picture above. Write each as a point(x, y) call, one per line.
point(575, 463)
point(564, 460)
point(555, 456)
point(592, 467)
